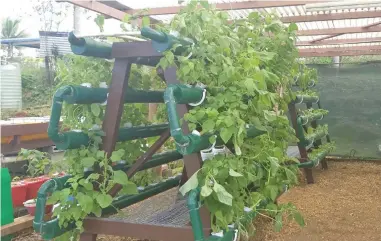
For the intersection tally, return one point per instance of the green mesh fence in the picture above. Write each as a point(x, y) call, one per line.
point(352, 94)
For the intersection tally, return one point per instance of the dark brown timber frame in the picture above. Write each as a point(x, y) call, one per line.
point(126, 54)
point(302, 149)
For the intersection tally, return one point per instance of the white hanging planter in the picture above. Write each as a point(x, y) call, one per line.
point(207, 154)
point(217, 150)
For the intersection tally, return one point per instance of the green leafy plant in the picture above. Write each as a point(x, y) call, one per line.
point(256, 58)
point(327, 147)
point(37, 161)
point(89, 194)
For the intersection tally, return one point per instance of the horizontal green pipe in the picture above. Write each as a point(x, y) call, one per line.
point(89, 47)
point(150, 191)
point(306, 119)
point(77, 94)
point(156, 160)
point(153, 34)
point(306, 99)
point(162, 41)
point(73, 139)
point(315, 136)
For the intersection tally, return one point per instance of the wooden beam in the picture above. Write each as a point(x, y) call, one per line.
point(341, 51)
point(228, 6)
point(19, 224)
point(372, 25)
point(99, 8)
point(102, 9)
point(331, 16)
point(336, 31)
point(339, 41)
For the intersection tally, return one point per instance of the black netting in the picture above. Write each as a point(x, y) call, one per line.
point(352, 94)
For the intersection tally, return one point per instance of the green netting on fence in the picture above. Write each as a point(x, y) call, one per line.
point(352, 94)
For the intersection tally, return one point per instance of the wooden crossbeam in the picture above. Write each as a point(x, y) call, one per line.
point(339, 41)
point(19, 224)
point(331, 16)
point(228, 6)
point(334, 31)
point(365, 28)
point(341, 51)
point(102, 8)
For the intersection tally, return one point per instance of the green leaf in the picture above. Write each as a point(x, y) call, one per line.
point(234, 173)
point(120, 177)
point(205, 4)
point(278, 222)
point(222, 195)
point(250, 85)
point(95, 109)
point(130, 188)
point(93, 176)
point(299, 219)
point(293, 27)
point(226, 134)
point(88, 161)
point(212, 139)
point(291, 176)
point(271, 191)
point(97, 211)
point(145, 21)
point(206, 191)
point(208, 125)
point(100, 154)
point(126, 18)
point(87, 185)
point(104, 200)
point(191, 184)
point(85, 201)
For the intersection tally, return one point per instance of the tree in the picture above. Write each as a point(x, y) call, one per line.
point(11, 29)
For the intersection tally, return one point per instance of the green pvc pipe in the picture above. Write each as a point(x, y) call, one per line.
point(50, 229)
point(89, 47)
point(73, 140)
point(316, 116)
point(128, 200)
point(179, 94)
point(195, 218)
point(302, 138)
point(77, 94)
point(162, 41)
point(306, 99)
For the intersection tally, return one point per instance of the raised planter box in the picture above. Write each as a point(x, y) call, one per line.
point(33, 185)
point(19, 190)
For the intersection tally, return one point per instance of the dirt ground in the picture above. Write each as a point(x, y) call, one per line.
point(344, 204)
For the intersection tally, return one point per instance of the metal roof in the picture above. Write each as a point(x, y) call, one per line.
point(357, 26)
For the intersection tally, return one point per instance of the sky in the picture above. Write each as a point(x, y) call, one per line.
point(31, 24)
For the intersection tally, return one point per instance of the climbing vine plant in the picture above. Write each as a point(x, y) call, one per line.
point(255, 58)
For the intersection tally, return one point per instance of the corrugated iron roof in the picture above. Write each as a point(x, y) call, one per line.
point(287, 11)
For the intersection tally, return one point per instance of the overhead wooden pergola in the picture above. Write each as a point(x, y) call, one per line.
point(348, 32)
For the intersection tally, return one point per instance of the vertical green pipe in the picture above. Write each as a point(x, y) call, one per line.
point(173, 118)
point(55, 115)
point(195, 218)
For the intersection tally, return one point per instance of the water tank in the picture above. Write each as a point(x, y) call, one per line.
point(10, 87)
